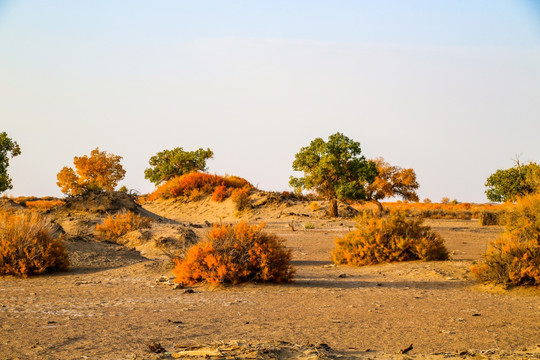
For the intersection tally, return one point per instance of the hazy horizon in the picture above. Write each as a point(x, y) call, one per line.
point(448, 89)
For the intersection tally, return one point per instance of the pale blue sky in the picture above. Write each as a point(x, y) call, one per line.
point(449, 88)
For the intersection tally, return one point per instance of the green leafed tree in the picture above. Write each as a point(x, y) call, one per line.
point(509, 184)
point(334, 169)
point(8, 149)
point(168, 164)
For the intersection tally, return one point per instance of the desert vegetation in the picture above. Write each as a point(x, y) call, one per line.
point(123, 222)
point(29, 245)
point(514, 258)
point(334, 169)
point(510, 184)
point(196, 184)
point(98, 172)
point(8, 149)
point(235, 254)
point(168, 164)
point(396, 238)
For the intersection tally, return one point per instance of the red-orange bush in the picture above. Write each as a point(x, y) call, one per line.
point(220, 193)
point(235, 254)
point(388, 239)
point(203, 182)
point(28, 245)
point(240, 198)
point(122, 223)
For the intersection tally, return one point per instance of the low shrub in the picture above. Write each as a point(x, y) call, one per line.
point(240, 198)
point(122, 223)
point(220, 193)
point(395, 238)
point(314, 206)
point(235, 254)
point(28, 245)
point(489, 218)
point(514, 258)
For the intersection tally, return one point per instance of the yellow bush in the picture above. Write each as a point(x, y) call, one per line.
point(122, 223)
point(514, 258)
point(235, 254)
point(28, 245)
point(396, 238)
point(240, 198)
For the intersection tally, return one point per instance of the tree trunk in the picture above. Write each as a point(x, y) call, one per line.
point(380, 208)
point(333, 208)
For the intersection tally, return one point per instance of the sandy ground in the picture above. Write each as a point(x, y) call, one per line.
point(113, 303)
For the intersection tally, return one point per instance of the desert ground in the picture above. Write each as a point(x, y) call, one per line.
point(118, 300)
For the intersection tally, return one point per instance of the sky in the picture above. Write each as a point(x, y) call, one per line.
point(448, 88)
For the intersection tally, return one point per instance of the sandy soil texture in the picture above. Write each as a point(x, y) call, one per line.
point(116, 304)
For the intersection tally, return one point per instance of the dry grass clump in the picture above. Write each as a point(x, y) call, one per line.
point(122, 223)
point(195, 185)
point(395, 238)
point(28, 245)
point(514, 258)
point(44, 205)
point(235, 254)
point(240, 198)
point(489, 218)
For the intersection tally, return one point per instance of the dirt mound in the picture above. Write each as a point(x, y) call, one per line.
point(109, 202)
point(263, 205)
point(10, 205)
point(160, 241)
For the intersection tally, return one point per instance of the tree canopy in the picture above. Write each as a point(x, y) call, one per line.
point(98, 172)
point(334, 169)
point(8, 149)
point(509, 184)
point(168, 164)
point(392, 181)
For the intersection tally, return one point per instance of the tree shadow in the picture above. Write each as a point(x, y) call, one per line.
point(348, 283)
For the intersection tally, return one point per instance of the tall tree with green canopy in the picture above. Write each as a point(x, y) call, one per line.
point(334, 169)
point(8, 149)
point(168, 164)
point(509, 184)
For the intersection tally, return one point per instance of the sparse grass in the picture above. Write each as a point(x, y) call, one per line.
point(309, 226)
point(462, 211)
point(235, 254)
point(28, 245)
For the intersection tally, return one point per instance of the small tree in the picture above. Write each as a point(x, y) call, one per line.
point(509, 184)
point(392, 181)
point(8, 149)
point(334, 169)
point(168, 164)
point(98, 172)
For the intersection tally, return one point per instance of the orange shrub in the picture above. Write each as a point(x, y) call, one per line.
point(235, 254)
point(220, 193)
point(388, 239)
point(120, 224)
point(240, 198)
point(203, 182)
point(28, 245)
point(514, 258)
